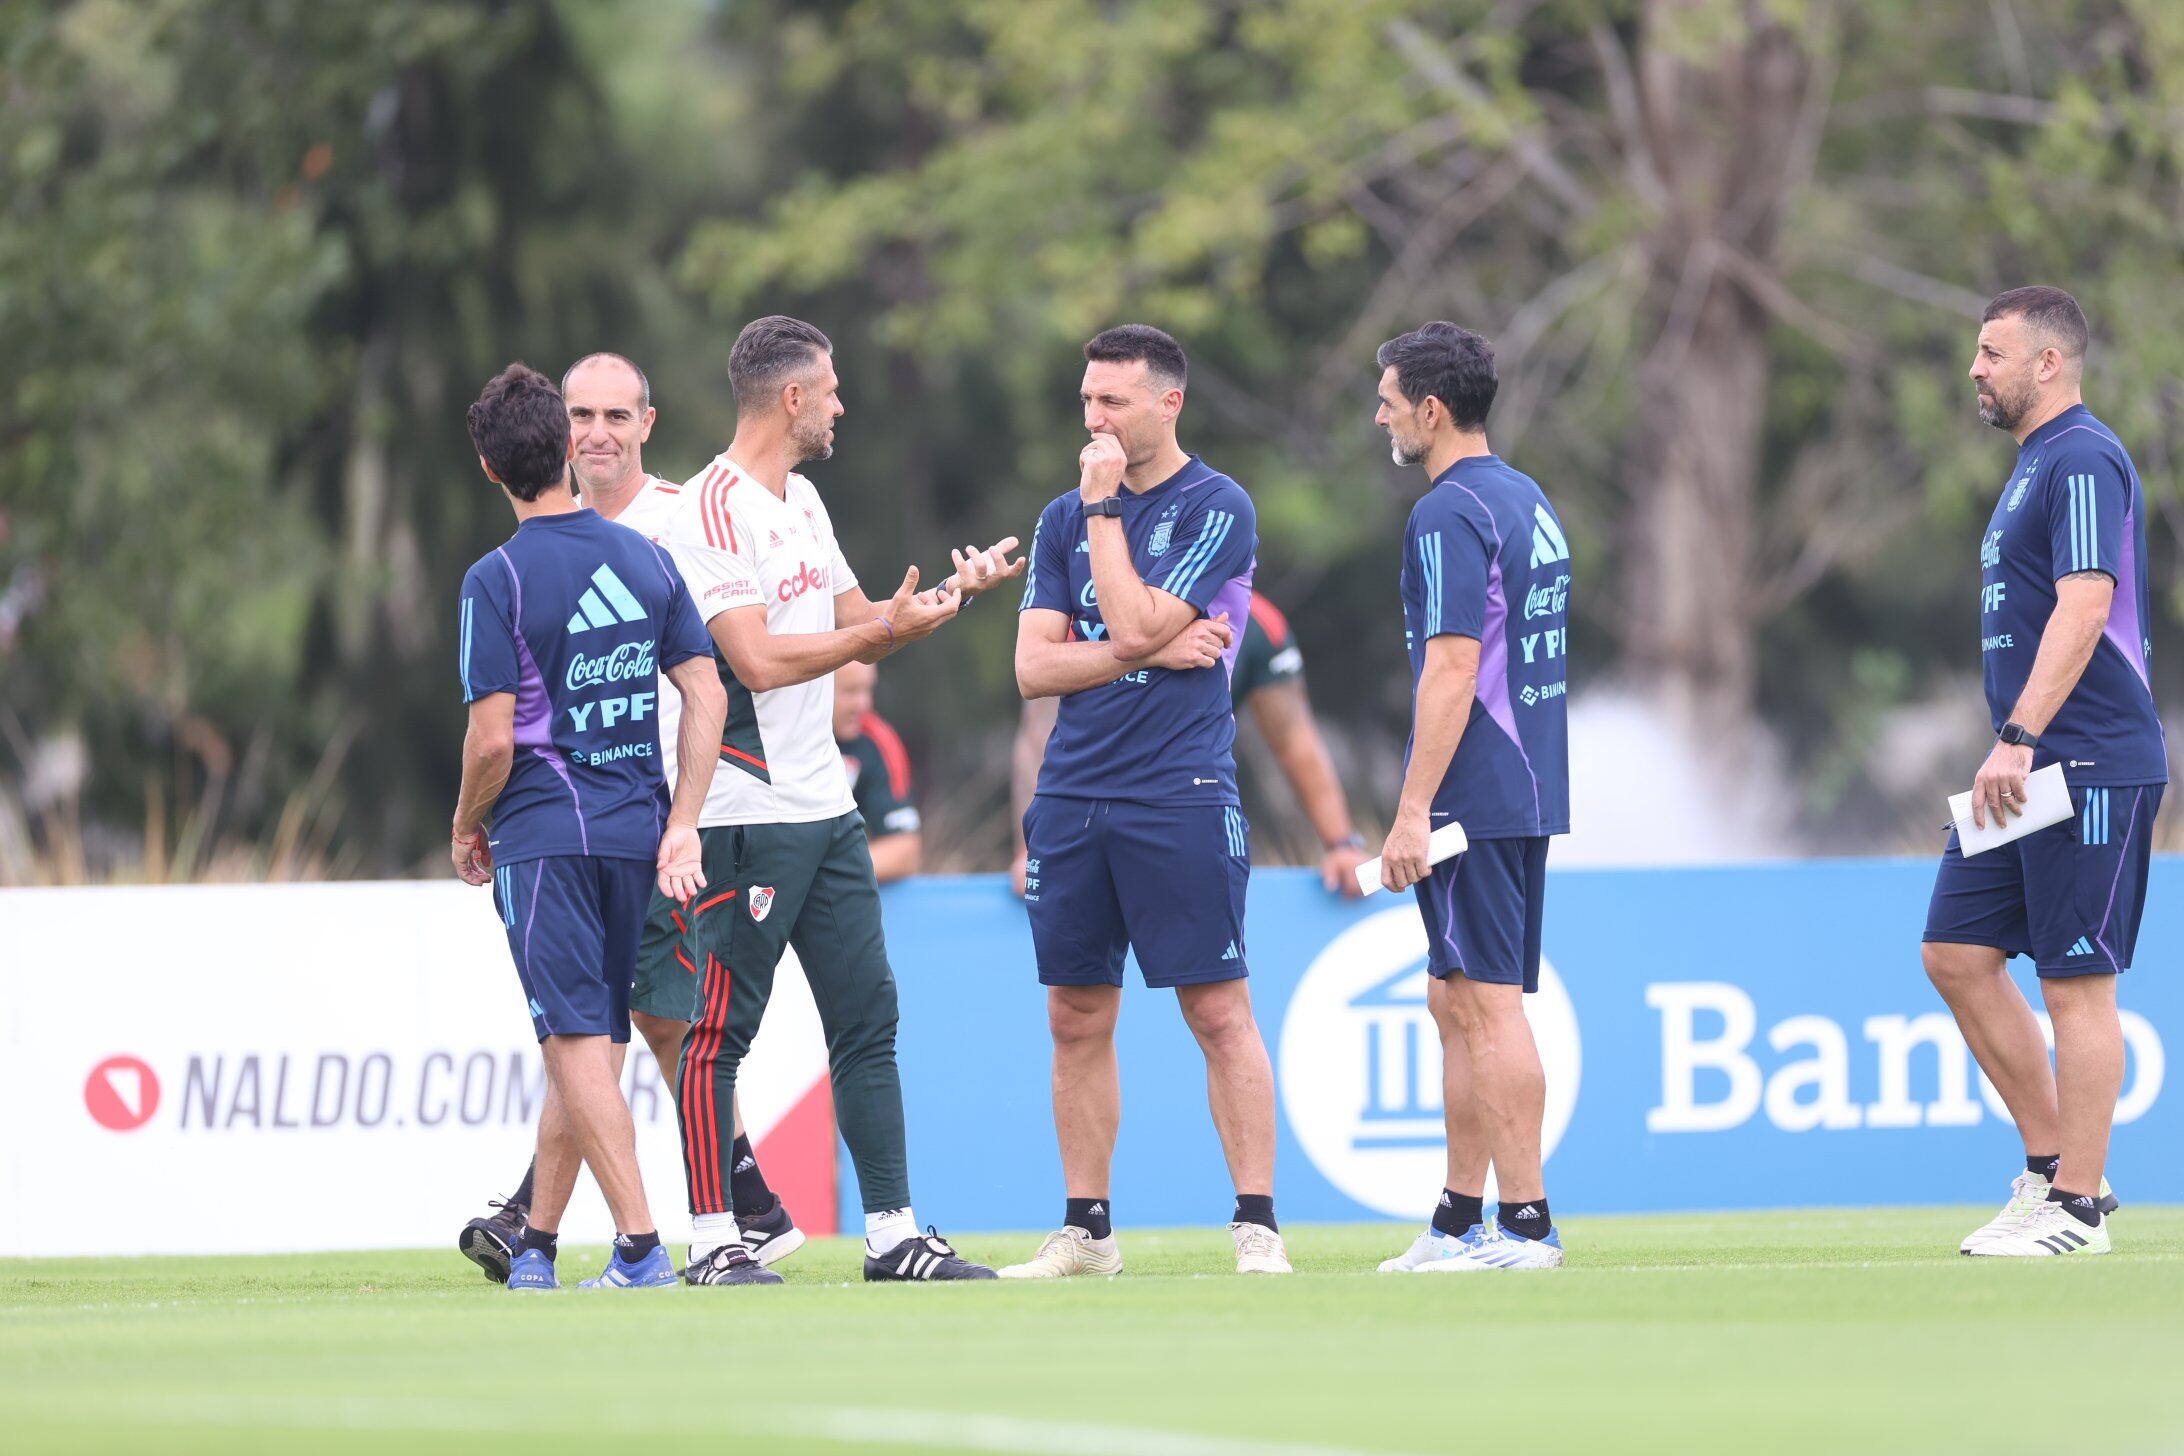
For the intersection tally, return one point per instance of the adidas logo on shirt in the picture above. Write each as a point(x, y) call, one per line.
point(1548, 544)
point(1231, 953)
point(605, 602)
point(2084, 947)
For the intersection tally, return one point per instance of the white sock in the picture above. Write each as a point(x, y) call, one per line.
point(887, 1228)
point(709, 1231)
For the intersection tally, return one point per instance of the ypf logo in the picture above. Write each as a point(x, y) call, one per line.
point(121, 1093)
point(1360, 1065)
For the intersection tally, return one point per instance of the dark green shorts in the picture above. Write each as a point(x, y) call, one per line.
point(677, 939)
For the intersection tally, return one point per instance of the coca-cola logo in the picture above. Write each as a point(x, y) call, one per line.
point(121, 1093)
point(1546, 601)
point(630, 660)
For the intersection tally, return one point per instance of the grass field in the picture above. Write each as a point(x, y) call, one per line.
point(1771, 1332)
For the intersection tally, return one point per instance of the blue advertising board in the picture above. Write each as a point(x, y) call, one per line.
point(1739, 1037)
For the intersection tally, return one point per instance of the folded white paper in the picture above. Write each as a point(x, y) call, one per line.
point(1444, 843)
point(2047, 801)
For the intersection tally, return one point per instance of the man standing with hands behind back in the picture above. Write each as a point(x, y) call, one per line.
point(2063, 618)
point(1486, 595)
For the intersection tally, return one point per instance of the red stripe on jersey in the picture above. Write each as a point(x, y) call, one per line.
point(1270, 620)
point(739, 753)
point(892, 753)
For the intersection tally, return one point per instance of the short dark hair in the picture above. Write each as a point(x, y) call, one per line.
point(2045, 310)
point(1453, 365)
point(521, 429)
point(1126, 343)
point(644, 385)
point(768, 352)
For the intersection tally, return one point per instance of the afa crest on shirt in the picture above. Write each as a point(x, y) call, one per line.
point(761, 901)
point(1163, 535)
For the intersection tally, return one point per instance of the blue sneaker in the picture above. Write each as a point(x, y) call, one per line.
point(1498, 1250)
point(1433, 1247)
point(654, 1271)
point(531, 1269)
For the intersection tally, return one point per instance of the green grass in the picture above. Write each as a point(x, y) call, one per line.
point(1763, 1333)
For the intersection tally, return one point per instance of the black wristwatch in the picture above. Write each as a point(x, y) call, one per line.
point(1112, 506)
point(2015, 735)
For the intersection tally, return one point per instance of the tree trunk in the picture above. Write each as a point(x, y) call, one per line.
point(1724, 120)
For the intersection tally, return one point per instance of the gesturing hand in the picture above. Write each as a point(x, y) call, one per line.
point(979, 571)
point(679, 863)
point(1099, 468)
point(913, 614)
point(1198, 645)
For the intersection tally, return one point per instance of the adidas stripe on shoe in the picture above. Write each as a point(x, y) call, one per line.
point(729, 1264)
point(921, 1258)
point(2049, 1231)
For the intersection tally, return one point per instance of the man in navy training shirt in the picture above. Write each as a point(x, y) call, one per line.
point(2063, 624)
point(1135, 597)
point(561, 634)
point(1486, 597)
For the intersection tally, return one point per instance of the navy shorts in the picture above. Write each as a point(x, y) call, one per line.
point(1104, 876)
point(1483, 911)
point(2069, 895)
point(573, 923)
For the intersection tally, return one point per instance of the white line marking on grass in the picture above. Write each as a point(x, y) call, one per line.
point(858, 1425)
point(1023, 1436)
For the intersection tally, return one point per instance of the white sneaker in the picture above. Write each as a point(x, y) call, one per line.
point(1431, 1247)
point(1497, 1250)
point(1259, 1249)
point(2028, 1194)
point(2048, 1230)
point(1069, 1251)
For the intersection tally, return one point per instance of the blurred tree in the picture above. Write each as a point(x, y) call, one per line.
point(1727, 343)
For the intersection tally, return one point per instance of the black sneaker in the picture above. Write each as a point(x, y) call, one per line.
point(925, 1256)
point(729, 1264)
point(771, 1236)
point(489, 1241)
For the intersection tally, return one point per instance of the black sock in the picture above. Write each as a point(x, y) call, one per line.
point(635, 1248)
point(1256, 1208)
point(522, 1198)
point(1527, 1220)
point(1458, 1212)
point(2044, 1166)
point(1091, 1215)
point(2083, 1207)
point(539, 1240)
point(747, 1190)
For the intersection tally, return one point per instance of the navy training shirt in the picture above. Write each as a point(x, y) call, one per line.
point(1484, 557)
point(2073, 503)
point(577, 617)
point(1157, 735)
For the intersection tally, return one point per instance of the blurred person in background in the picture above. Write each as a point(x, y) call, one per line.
point(611, 415)
point(562, 757)
point(1269, 676)
point(879, 774)
point(2064, 622)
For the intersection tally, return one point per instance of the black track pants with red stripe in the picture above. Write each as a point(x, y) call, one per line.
point(809, 886)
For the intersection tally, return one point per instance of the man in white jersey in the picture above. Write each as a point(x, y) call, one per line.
point(610, 418)
point(754, 543)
